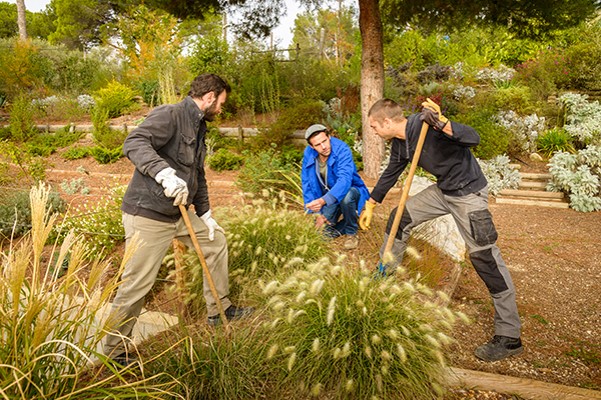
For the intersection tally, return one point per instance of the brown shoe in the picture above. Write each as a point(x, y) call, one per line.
point(351, 242)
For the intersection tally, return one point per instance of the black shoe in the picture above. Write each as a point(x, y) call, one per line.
point(498, 348)
point(125, 359)
point(231, 313)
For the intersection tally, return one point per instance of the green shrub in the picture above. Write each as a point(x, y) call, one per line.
point(59, 108)
point(150, 92)
point(554, 140)
point(225, 160)
point(21, 122)
point(494, 139)
point(15, 212)
point(104, 155)
point(99, 223)
point(514, 97)
point(75, 153)
point(116, 99)
point(32, 168)
point(51, 328)
point(296, 117)
point(267, 169)
point(103, 134)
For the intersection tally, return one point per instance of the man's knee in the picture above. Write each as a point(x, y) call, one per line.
point(405, 221)
point(486, 266)
point(351, 198)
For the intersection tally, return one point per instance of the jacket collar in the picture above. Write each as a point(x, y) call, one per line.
point(195, 113)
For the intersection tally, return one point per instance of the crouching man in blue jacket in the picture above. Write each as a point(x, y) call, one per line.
point(332, 188)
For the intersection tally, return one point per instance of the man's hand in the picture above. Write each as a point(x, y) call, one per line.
point(432, 115)
point(173, 186)
point(211, 224)
point(366, 215)
point(316, 205)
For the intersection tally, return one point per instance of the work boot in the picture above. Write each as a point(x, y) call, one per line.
point(351, 242)
point(125, 359)
point(498, 348)
point(231, 313)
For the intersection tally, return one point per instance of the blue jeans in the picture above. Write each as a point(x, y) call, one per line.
point(347, 208)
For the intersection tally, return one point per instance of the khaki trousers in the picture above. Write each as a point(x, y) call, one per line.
point(155, 238)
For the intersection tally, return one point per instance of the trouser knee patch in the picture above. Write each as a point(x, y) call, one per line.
point(483, 227)
point(486, 266)
point(405, 220)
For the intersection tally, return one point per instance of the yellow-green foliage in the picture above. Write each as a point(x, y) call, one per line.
point(339, 333)
point(51, 326)
point(116, 98)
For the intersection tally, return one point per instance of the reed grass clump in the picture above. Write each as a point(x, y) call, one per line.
point(338, 333)
point(50, 327)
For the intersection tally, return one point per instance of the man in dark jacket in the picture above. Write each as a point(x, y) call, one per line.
point(168, 150)
point(332, 188)
point(461, 190)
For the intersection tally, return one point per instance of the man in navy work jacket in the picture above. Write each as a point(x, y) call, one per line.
point(332, 188)
point(461, 190)
point(168, 150)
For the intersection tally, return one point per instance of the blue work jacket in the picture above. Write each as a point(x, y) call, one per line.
point(341, 176)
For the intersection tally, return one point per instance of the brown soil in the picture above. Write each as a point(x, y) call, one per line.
point(553, 255)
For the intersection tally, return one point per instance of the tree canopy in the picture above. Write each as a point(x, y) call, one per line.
point(533, 18)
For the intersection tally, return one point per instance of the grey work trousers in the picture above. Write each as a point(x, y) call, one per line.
point(155, 238)
point(475, 224)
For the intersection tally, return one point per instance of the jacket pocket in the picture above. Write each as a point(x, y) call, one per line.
point(187, 150)
point(483, 228)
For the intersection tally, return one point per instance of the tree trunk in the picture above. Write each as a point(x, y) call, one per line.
point(372, 81)
point(21, 20)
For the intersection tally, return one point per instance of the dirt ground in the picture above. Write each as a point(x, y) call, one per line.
point(554, 258)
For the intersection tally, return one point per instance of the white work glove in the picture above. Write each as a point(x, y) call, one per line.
point(211, 224)
point(173, 186)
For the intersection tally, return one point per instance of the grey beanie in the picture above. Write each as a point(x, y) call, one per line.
point(313, 129)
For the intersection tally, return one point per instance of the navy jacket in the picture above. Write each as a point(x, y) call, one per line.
point(448, 158)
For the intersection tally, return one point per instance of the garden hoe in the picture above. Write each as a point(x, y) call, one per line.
point(205, 268)
point(388, 257)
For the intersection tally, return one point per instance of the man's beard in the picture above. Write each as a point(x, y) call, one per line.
point(210, 113)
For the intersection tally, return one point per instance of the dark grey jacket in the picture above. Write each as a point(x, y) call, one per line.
point(173, 136)
point(448, 158)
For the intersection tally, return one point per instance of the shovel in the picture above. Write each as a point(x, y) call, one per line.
point(388, 257)
point(205, 268)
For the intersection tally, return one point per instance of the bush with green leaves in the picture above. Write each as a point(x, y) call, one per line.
point(15, 211)
point(60, 108)
point(296, 117)
point(583, 118)
point(554, 140)
point(51, 326)
point(115, 99)
point(22, 127)
point(77, 152)
point(99, 222)
point(268, 169)
point(225, 160)
point(494, 139)
point(335, 332)
point(499, 174)
point(579, 176)
point(29, 167)
point(109, 141)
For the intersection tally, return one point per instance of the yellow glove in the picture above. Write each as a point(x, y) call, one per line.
point(366, 215)
point(437, 121)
